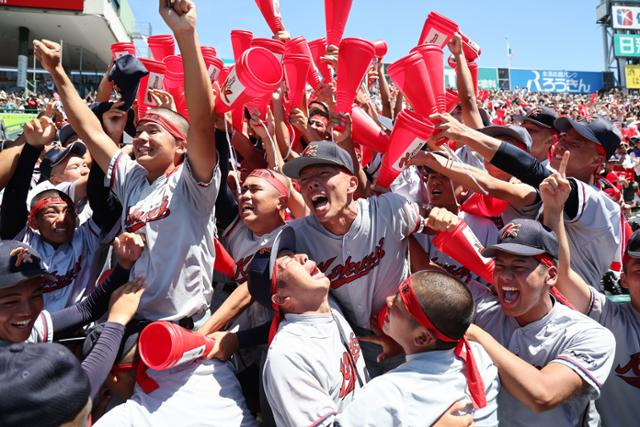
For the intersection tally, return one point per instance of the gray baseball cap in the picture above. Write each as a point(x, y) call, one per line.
point(514, 131)
point(524, 237)
point(319, 153)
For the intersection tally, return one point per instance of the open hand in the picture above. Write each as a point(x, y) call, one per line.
point(39, 132)
point(125, 300)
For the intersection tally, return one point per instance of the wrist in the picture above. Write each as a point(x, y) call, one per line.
point(118, 318)
point(126, 264)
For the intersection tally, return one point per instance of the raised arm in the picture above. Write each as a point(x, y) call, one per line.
point(181, 18)
point(554, 192)
point(385, 92)
point(451, 128)
point(466, 90)
point(84, 122)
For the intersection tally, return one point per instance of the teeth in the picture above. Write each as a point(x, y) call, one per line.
point(510, 289)
point(22, 324)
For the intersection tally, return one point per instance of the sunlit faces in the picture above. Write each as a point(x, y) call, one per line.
point(399, 323)
point(69, 170)
point(584, 154)
point(319, 123)
point(301, 284)
point(155, 149)
point(258, 199)
point(542, 137)
point(522, 285)
point(327, 190)
point(20, 306)
point(442, 191)
point(56, 223)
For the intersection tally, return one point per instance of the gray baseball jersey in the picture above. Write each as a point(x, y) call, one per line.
point(623, 385)
point(366, 264)
point(417, 392)
point(175, 213)
point(484, 229)
point(71, 264)
point(563, 336)
point(311, 373)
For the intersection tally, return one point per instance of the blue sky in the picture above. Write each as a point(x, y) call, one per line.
point(544, 34)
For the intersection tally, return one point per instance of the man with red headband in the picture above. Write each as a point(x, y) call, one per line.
point(428, 318)
point(551, 359)
point(168, 193)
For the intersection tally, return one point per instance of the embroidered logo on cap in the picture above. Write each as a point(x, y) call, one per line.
point(23, 256)
point(310, 151)
point(511, 230)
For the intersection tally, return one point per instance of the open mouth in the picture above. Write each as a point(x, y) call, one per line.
point(316, 273)
point(21, 325)
point(60, 230)
point(510, 295)
point(319, 201)
point(436, 193)
point(247, 208)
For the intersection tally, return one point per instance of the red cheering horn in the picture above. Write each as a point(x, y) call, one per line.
point(410, 74)
point(434, 60)
point(354, 58)
point(437, 30)
point(299, 45)
point(410, 132)
point(318, 48)
point(237, 118)
point(366, 131)
point(174, 82)
point(381, 48)
point(213, 63)
point(452, 100)
point(473, 69)
point(240, 41)
point(270, 9)
point(336, 15)
point(153, 80)
point(163, 345)
point(257, 73)
point(296, 68)
point(470, 48)
point(274, 46)
point(161, 45)
point(121, 49)
point(464, 247)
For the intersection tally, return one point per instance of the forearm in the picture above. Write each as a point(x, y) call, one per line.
point(239, 299)
point(106, 208)
point(398, 106)
point(296, 204)
point(466, 94)
point(484, 145)
point(9, 160)
point(283, 138)
point(248, 151)
point(385, 93)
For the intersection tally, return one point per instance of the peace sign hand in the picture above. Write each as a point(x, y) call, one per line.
point(555, 189)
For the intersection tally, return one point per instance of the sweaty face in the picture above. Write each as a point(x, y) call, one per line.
point(69, 170)
point(399, 323)
point(584, 155)
point(319, 124)
point(56, 223)
point(258, 199)
point(20, 305)
point(542, 137)
point(325, 190)
point(302, 280)
point(521, 286)
point(154, 147)
point(441, 191)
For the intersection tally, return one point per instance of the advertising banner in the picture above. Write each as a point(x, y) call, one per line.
point(77, 5)
point(632, 73)
point(625, 17)
point(556, 81)
point(626, 45)
point(487, 78)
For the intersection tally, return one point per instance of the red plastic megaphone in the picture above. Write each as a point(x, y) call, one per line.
point(381, 48)
point(452, 100)
point(257, 73)
point(161, 45)
point(208, 50)
point(237, 118)
point(299, 45)
point(366, 131)
point(213, 63)
point(223, 75)
point(473, 69)
point(354, 58)
point(484, 205)
point(470, 48)
point(318, 48)
point(153, 80)
point(464, 247)
point(296, 68)
point(240, 41)
point(163, 345)
point(274, 46)
point(270, 10)
point(434, 60)
point(437, 30)
point(174, 82)
point(410, 74)
point(410, 132)
point(121, 49)
point(336, 14)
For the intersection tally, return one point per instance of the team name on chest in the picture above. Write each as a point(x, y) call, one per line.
point(345, 273)
point(62, 280)
point(139, 217)
point(630, 372)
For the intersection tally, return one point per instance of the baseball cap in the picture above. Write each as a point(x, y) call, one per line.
point(56, 155)
point(514, 131)
point(524, 237)
point(543, 116)
point(126, 74)
point(262, 266)
point(633, 246)
point(65, 133)
point(41, 384)
point(319, 153)
point(600, 131)
point(19, 262)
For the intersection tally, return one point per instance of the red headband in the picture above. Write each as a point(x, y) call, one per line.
point(166, 125)
point(45, 202)
point(545, 259)
point(271, 178)
point(462, 350)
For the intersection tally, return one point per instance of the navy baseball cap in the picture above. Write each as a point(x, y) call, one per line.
point(514, 131)
point(41, 385)
point(19, 262)
point(262, 266)
point(126, 74)
point(543, 116)
point(524, 237)
point(65, 133)
point(319, 153)
point(633, 245)
point(600, 131)
point(56, 155)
